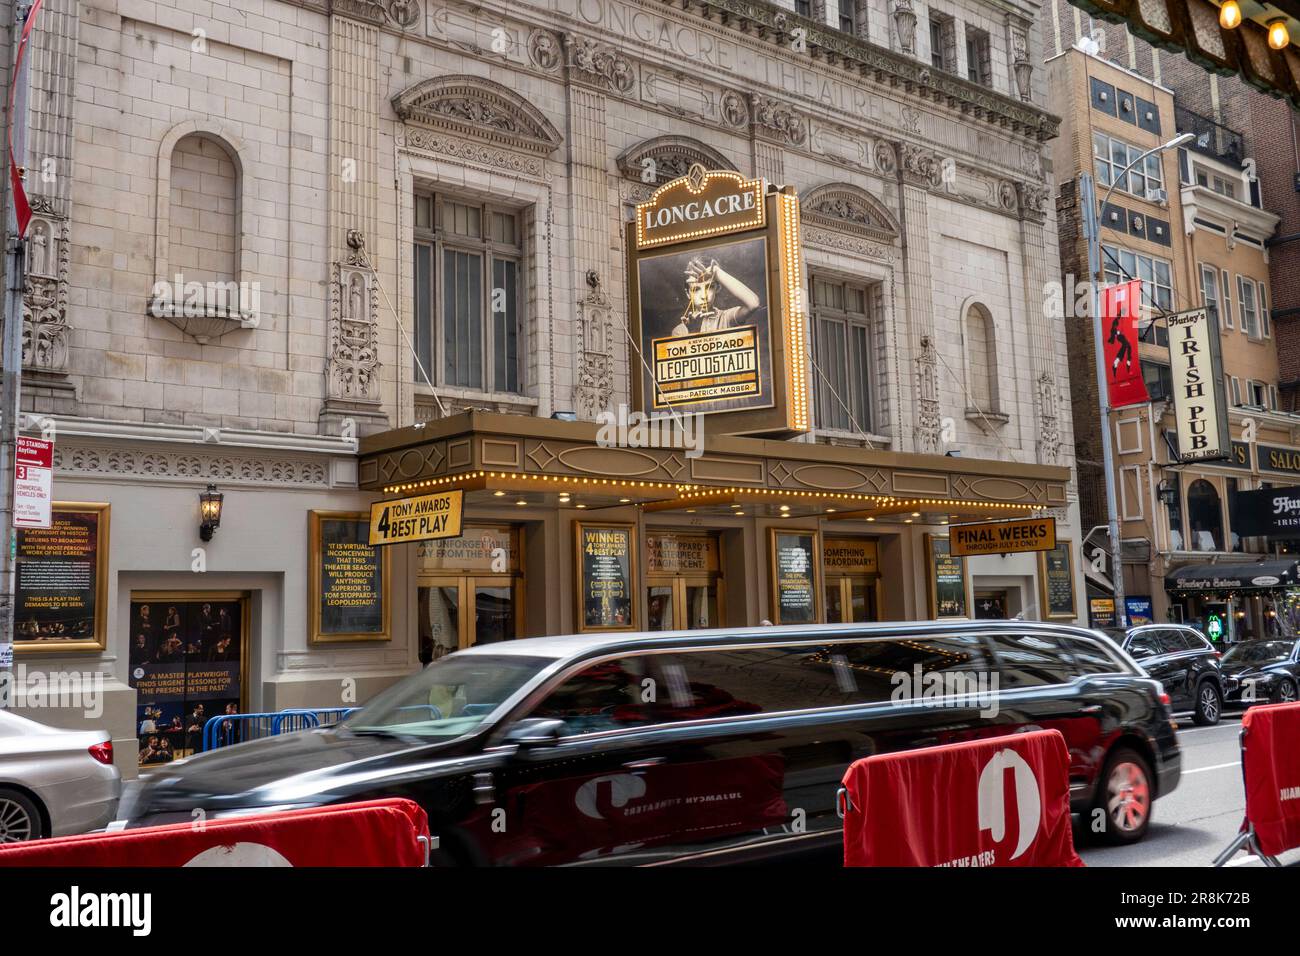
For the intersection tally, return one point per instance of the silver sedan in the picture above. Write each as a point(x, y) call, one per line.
point(54, 782)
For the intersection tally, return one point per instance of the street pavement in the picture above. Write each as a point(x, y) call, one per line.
point(1201, 817)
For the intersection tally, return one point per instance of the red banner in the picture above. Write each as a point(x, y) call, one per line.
point(1270, 763)
point(1120, 305)
point(375, 833)
point(1003, 802)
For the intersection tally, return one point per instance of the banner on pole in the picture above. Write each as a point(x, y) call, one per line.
point(1120, 305)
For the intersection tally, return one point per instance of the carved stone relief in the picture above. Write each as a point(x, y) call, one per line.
point(352, 366)
point(658, 160)
point(851, 208)
point(1049, 452)
point(45, 296)
point(778, 120)
point(928, 422)
point(599, 64)
point(595, 384)
point(479, 108)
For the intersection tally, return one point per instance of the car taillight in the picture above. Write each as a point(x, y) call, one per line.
point(103, 752)
point(1164, 699)
point(1218, 654)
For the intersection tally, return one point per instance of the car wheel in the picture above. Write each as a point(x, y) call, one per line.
point(1209, 704)
point(1121, 810)
point(20, 820)
point(1286, 692)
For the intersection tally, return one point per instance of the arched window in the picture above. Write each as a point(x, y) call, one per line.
point(981, 360)
point(1204, 516)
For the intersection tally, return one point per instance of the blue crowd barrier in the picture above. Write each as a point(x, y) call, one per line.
point(226, 729)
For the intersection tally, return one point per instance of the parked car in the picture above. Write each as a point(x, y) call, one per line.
point(1184, 661)
point(704, 747)
point(54, 782)
point(1263, 671)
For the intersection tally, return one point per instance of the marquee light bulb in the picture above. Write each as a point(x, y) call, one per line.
point(1230, 15)
point(1278, 36)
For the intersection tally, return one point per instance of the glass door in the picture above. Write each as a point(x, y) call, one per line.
point(701, 600)
point(683, 603)
point(851, 599)
point(463, 610)
point(440, 620)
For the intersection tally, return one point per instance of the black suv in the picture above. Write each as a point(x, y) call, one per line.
point(704, 747)
point(1184, 661)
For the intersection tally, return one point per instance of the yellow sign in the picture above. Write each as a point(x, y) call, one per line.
point(1003, 537)
point(417, 519)
point(850, 556)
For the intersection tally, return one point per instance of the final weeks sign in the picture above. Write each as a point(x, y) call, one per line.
point(1003, 537)
point(418, 518)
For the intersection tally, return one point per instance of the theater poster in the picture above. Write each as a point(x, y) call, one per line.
point(1120, 305)
point(61, 581)
point(187, 657)
point(716, 300)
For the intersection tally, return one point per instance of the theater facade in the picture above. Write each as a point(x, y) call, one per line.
point(331, 252)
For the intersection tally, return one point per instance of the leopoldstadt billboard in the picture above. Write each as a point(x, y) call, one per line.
point(715, 295)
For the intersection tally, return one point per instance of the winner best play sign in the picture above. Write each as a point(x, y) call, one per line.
point(33, 482)
point(420, 518)
point(1003, 537)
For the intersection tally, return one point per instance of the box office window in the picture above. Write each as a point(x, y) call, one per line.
point(842, 343)
point(468, 304)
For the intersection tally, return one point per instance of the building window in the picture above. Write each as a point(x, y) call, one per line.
point(943, 42)
point(1224, 187)
point(848, 15)
point(1226, 286)
point(1111, 156)
point(842, 341)
point(1175, 511)
point(979, 58)
point(1205, 516)
point(1257, 394)
point(1158, 379)
point(1121, 265)
point(1264, 328)
point(1210, 292)
point(468, 310)
point(1246, 296)
point(803, 7)
point(982, 364)
point(1234, 389)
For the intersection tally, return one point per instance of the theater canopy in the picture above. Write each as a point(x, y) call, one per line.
point(1257, 576)
point(1192, 27)
point(539, 461)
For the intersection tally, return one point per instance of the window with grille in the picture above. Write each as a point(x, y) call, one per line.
point(842, 340)
point(468, 304)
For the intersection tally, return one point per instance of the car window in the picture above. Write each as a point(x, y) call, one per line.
point(1090, 657)
point(1144, 644)
point(889, 670)
point(1031, 660)
point(1194, 641)
point(1173, 641)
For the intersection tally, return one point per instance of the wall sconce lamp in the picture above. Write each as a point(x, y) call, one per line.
point(210, 511)
point(1167, 492)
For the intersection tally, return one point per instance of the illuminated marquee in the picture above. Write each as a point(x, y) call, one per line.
point(715, 272)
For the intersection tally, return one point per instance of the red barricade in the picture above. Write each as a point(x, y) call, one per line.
point(374, 833)
point(1270, 764)
point(998, 802)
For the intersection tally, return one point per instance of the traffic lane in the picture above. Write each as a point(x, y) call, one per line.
point(1190, 826)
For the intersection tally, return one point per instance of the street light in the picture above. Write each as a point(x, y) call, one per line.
point(1092, 228)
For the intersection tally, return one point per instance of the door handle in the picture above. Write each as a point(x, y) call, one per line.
point(1091, 709)
point(645, 762)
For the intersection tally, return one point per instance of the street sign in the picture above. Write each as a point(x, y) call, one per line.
point(33, 482)
point(1003, 537)
point(419, 518)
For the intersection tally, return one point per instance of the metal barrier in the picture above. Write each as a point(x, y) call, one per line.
point(226, 729)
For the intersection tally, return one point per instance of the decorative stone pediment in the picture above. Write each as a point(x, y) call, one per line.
point(656, 161)
point(849, 208)
point(479, 108)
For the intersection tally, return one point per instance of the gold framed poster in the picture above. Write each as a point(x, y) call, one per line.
point(794, 559)
point(348, 580)
point(61, 581)
point(1056, 582)
point(948, 585)
point(605, 570)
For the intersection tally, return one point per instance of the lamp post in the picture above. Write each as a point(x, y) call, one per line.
point(1092, 230)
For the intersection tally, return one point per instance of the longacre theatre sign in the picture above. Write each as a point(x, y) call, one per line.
point(1003, 537)
point(715, 295)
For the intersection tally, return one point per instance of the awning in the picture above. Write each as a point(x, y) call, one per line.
point(1192, 26)
point(543, 461)
point(1256, 576)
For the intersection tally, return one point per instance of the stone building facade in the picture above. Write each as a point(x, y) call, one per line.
point(277, 228)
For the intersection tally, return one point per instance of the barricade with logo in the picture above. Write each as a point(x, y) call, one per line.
point(1004, 801)
point(374, 833)
point(1270, 771)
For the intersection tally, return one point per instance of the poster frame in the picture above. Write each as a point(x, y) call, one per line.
point(818, 586)
point(1047, 613)
point(932, 584)
point(314, 567)
point(633, 572)
point(99, 642)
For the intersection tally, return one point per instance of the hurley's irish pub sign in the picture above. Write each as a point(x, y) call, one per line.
point(715, 295)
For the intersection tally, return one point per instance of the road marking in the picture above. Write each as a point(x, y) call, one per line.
point(1217, 766)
